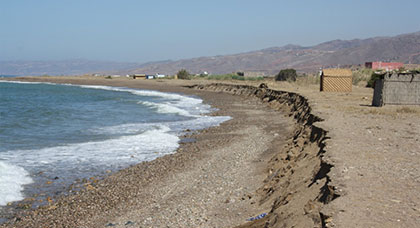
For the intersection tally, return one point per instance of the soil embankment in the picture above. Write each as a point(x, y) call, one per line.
point(297, 183)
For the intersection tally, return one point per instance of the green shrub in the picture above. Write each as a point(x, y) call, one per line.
point(232, 77)
point(375, 76)
point(222, 77)
point(254, 78)
point(361, 75)
point(238, 77)
point(286, 75)
point(183, 74)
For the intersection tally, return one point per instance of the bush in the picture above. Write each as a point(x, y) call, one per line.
point(254, 78)
point(361, 75)
point(238, 77)
point(232, 77)
point(286, 75)
point(375, 76)
point(183, 74)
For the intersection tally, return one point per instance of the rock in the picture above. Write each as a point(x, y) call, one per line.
point(128, 223)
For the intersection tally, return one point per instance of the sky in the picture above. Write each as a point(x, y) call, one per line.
point(142, 31)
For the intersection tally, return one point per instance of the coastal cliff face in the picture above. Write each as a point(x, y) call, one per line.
point(297, 185)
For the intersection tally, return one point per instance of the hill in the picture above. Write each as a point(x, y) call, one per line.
point(65, 67)
point(403, 48)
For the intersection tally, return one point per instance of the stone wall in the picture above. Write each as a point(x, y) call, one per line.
point(397, 89)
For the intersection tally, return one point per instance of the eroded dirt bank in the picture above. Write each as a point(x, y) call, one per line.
point(297, 183)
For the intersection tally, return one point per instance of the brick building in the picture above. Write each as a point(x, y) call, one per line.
point(384, 65)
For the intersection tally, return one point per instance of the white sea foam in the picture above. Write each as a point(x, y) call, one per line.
point(166, 108)
point(23, 82)
point(172, 103)
point(145, 142)
point(12, 179)
point(176, 127)
point(142, 147)
point(76, 158)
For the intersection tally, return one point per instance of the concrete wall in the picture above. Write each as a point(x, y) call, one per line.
point(397, 89)
point(254, 74)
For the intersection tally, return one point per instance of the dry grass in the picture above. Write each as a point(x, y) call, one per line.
point(308, 80)
point(393, 110)
point(408, 110)
point(361, 77)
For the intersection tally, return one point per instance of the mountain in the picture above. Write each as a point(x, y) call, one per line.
point(65, 67)
point(403, 48)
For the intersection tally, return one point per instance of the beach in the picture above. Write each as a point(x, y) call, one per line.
point(210, 192)
point(303, 157)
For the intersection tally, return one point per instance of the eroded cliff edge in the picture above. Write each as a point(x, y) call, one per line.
point(297, 186)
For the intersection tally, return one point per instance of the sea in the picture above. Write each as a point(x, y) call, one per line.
point(53, 135)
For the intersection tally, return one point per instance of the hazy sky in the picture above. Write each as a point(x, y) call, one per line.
point(141, 31)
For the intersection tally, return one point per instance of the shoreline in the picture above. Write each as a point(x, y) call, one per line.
point(176, 162)
point(357, 168)
point(40, 192)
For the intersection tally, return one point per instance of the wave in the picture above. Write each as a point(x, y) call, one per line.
point(22, 82)
point(12, 179)
point(169, 103)
point(141, 147)
point(137, 142)
point(166, 108)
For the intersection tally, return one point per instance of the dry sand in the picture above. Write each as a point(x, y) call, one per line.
point(357, 168)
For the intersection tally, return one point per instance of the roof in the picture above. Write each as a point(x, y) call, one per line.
point(336, 72)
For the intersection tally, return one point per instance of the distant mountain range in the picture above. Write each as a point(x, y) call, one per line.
point(403, 48)
point(65, 67)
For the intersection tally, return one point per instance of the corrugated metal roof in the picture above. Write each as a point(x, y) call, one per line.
point(336, 72)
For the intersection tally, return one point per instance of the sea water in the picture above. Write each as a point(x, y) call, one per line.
point(52, 135)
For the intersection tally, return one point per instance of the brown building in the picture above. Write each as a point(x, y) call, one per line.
point(388, 66)
point(139, 76)
point(336, 80)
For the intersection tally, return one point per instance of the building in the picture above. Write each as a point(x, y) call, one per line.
point(253, 73)
point(388, 66)
point(397, 89)
point(139, 76)
point(336, 80)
